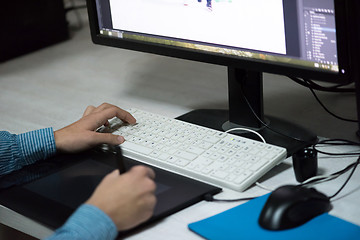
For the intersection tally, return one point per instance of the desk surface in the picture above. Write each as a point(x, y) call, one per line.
point(53, 86)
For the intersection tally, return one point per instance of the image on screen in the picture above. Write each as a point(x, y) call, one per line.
point(193, 21)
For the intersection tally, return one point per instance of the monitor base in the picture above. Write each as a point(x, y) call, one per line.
point(215, 119)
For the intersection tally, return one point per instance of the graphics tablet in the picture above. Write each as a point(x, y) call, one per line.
point(51, 190)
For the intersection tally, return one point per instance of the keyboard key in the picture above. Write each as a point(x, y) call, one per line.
point(135, 147)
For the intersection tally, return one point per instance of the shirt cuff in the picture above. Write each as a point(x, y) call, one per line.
point(37, 145)
point(88, 222)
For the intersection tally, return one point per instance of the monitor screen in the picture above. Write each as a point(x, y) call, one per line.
point(295, 38)
point(299, 34)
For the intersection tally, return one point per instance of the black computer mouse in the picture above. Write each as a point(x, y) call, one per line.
point(291, 206)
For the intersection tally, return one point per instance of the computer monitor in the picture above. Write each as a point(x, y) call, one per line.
point(297, 38)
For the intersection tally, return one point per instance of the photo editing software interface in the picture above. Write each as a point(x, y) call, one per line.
point(298, 33)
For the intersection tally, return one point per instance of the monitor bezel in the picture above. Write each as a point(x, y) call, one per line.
point(241, 63)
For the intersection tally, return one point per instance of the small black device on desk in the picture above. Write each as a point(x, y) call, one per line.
point(51, 190)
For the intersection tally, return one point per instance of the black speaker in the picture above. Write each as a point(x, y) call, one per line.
point(28, 25)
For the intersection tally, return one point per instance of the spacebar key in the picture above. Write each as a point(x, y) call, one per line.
point(136, 147)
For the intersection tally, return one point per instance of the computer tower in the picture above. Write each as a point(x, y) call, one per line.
point(28, 25)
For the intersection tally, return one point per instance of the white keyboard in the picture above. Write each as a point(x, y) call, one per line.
point(208, 155)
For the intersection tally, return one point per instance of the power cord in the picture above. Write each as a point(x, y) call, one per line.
point(324, 178)
point(335, 88)
point(311, 85)
point(247, 130)
point(348, 179)
point(336, 142)
point(265, 124)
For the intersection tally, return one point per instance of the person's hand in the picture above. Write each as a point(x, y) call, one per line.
point(128, 199)
point(81, 135)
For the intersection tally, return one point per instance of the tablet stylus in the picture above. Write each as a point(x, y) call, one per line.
point(117, 153)
point(119, 159)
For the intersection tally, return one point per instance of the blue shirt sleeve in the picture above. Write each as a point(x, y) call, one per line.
point(17, 151)
point(88, 222)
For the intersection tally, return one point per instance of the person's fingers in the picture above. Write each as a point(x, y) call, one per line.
point(92, 109)
point(114, 173)
point(148, 210)
point(150, 173)
point(99, 118)
point(103, 106)
point(121, 114)
point(128, 199)
point(107, 138)
point(88, 110)
point(102, 117)
point(111, 176)
point(144, 171)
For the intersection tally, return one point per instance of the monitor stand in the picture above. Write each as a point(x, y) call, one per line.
point(246, 89)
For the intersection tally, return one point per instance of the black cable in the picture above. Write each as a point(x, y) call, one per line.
point(333, 175)
point(327, 110)
point(307, 84)
point(339, 88)
point(335, 88)
point(313, 86)
point(348, 179)
point(266, 125)
point(336, 142)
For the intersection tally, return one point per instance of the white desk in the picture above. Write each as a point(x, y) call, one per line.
point(53, 86)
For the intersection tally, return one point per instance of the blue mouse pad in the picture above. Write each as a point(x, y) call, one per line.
point(241, 222)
